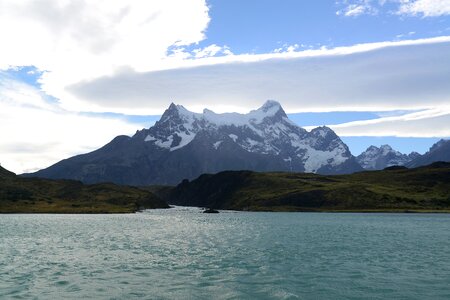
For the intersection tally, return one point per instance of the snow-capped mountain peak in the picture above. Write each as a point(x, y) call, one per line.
point(323, 132)
point(179, 113)
point(184, 145)
point(179, 123)
point(375, 158)
point(270, 105)
point(266, 131)
point(386, 149)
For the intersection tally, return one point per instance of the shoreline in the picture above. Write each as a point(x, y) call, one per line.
point(262, 210)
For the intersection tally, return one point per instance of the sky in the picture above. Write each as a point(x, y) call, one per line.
point(75, 74)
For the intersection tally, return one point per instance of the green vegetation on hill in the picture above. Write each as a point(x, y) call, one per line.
point(393, 189)
point(35, 195)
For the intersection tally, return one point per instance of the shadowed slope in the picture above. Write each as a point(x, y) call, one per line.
point(29, 195)
point(425, 188)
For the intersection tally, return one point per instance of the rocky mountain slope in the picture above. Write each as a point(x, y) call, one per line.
point(183, 145)
point(440, 151)
point(375, 158)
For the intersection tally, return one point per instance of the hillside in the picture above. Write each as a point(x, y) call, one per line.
point(393, 189)
point(35, 195)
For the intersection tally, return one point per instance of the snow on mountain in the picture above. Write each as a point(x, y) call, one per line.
point(266, 130)
point(375, 158)
point(183, 125)
point(184, 145)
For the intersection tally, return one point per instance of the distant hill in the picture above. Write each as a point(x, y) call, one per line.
point(5, 173)
point(440, 151)
point(394, 189)
point(35, 195)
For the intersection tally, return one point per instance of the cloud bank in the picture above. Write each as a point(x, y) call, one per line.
point(76, 40)
point(36, 134)
point(369, 77)
point(428, 123)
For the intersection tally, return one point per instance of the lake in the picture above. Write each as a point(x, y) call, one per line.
point(181, 253)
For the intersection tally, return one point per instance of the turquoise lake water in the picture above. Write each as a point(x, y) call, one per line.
point(183, 254)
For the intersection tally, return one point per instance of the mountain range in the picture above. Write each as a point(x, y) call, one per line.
point(375, 158)
point(184, 145)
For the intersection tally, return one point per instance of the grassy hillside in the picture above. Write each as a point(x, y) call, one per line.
point(34, 195)
point(394, 189)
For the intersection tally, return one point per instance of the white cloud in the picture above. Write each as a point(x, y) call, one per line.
point(18, 94)
point(355, 10)
point(78, 40)
point(211, 50)
point(428, 123)
point(368, 77)
point(86, 44)
point(286, 48)
point(425, 8)
point(36, 134)
point(403, 35)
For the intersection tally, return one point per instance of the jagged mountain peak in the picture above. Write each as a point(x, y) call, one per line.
point(438, 144)
point(270, 104)
point(178, 126)
point(323, 131)
point(386, 147)
point(382, 149)
point(440, 151)
point(172, 112)
point(270, 109)
point(378, 158)
point(266, 130)
point(207, 111)
point(372, 148)
point(413, 155)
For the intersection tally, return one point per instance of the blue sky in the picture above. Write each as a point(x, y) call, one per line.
point(260, 26)
point(74, 75)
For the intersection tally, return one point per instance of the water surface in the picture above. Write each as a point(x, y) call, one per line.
point(184, 254)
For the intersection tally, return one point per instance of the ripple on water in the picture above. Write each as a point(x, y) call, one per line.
point(183, 254)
